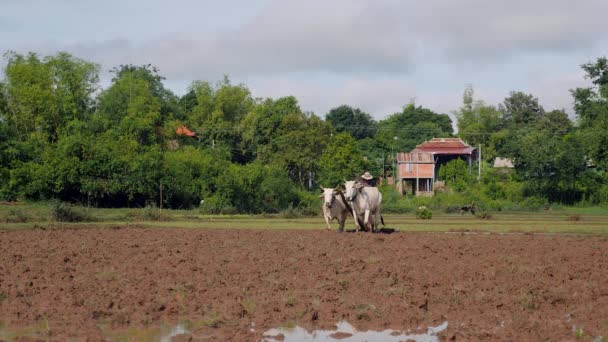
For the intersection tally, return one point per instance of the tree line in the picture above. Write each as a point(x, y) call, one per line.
point(64, 137)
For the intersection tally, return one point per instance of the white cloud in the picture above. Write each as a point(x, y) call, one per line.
point(379, 97)
point(375, 54)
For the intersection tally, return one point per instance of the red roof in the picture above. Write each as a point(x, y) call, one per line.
point(415, 158)
point(184, 131)
point(445, 146)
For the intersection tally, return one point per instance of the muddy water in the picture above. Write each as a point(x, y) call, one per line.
point(162, 333)
point(346, 332)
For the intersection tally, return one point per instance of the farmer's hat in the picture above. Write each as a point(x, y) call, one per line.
point(367, 176)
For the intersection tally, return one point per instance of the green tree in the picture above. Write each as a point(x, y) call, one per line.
point(252, 188)
point(261, 125)
point(520, 109)
point(341, 160)
point(455, 173)
point(551, 164)
point(477, 121)
point(377, 154)
point(301, 139)
point(43, 95)
point(591, 107)
point(412, 126)
point(218, 113)
point(132, 104)
point(352, 120)
point(555, 121)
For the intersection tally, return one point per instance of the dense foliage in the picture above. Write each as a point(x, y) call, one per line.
point(64, 138)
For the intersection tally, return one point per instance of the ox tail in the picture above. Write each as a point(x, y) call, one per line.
point(382, 219)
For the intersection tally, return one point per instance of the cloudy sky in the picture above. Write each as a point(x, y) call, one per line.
point(374, 54)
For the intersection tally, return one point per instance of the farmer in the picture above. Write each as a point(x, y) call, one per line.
point(367, 179)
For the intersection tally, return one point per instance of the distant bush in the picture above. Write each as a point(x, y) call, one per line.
point(64, 212)
point(484, 215)
point(297, 212)
point(533, 203)
point(17, 216)
point(148, 213)
point(575, 217)
point(424, 213)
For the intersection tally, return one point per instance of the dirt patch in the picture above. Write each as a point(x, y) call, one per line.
point(76, 283)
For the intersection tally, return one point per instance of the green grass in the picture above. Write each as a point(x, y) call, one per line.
point(592, 220)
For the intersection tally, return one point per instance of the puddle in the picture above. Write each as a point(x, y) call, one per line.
point(346, 332)
point(161, 333)
point(39, 331)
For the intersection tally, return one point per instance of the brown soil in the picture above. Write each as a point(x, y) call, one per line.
point(487, 286)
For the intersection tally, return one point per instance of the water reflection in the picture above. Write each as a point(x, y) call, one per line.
point(162, 333)
point(346, 332)
point(177, 330)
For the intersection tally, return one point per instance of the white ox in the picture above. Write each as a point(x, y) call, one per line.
point(334, 208)
point(365, 202)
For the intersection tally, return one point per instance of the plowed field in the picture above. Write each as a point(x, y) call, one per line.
point(81, 284)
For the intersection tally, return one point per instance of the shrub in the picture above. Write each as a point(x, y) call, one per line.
point(63, 212)
point(17, 216)
point(295, 212)
point(484, 215)
point(575, 217)
point(424, 213)
point(533, 202)
point(148, 213)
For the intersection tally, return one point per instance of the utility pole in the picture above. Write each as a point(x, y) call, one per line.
point(160, 202)
point(383, 169)
point(394, 161)
point(479, 165)
point(310, 180)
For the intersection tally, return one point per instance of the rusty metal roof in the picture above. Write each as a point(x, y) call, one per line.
point(445, 146)
point(184, 131)
point(416, 157)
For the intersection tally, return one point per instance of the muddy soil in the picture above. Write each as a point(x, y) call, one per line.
point(232, 285)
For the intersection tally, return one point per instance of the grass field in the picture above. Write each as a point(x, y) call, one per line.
point(571, 220)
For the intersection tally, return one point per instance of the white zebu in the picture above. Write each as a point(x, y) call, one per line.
point(334, 207)
point(365, 202)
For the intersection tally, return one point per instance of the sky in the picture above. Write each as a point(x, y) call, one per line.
point(377, 55)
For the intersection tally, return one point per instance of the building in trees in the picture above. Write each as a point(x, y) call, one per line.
point(447, 149)
point(503, 163)
point(418, 171)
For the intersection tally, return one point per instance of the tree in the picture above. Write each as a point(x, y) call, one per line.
point(455, 173)
point(43, 95)
point(301, 139)
point(555, 121)
point(341, 160)
point(132, 104)
point(352, 120)
point(551, 164)
point(412, 126)
point(520, 109)
point(260, 126)
point(591, 107)
point(186, 104)
point(218, 113)
point(476, 120)
point(598, 73)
